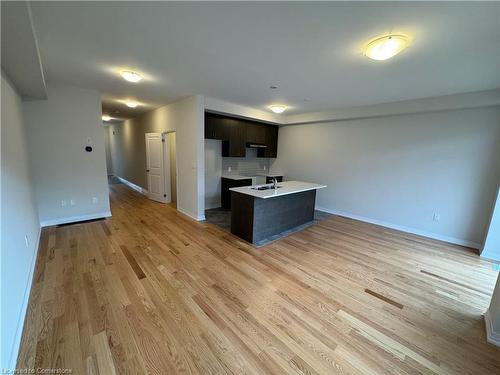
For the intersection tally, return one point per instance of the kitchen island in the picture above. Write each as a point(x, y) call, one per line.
point(261, 212)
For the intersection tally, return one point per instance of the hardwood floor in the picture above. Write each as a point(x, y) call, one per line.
point(152, 291)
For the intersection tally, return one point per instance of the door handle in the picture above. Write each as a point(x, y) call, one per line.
point(147, 170)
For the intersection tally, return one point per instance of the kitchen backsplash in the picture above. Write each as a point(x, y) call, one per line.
point(250, 165)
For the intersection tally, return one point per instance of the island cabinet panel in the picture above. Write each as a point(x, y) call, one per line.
point(255, 219)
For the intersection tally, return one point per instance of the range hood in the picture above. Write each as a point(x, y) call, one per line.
point(255, 145)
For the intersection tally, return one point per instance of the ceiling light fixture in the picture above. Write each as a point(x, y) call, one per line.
point(106, 118)
point(277, 108)
point(131, 104)
point(131, 76)
point(385, 47)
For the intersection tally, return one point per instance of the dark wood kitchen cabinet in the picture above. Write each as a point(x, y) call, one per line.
point(217, 127)
point(235, 133)
point(271, 150)
point(256, 133)
point(235, 145)
point(270, 180)
point(225, 193)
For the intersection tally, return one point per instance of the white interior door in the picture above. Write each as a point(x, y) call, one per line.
point(155, 166)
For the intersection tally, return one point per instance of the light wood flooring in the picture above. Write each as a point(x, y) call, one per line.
point(152, 291)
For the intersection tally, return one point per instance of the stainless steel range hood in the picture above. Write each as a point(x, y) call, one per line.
point(255, 145)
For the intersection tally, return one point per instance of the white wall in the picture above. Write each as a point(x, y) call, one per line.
point(213, 173)
point(400, 170)
point(19, 218)
point(58, 129)
point(128, 150)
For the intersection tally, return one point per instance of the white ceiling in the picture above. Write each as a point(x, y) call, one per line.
point(235, 51)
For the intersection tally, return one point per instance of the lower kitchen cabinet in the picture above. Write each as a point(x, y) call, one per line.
point(225, 193)
point(269, 179)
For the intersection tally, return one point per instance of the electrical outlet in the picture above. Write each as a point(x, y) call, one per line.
point(436, 217)
point(229, 169)
point(94, 200)
point(63, 203)
point(72, 202)
point(264, 167)
point(27, 241)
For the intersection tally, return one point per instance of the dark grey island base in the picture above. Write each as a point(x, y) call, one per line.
point(256, 219)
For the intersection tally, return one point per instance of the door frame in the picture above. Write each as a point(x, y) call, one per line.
point(166, 159)
point(167, 173)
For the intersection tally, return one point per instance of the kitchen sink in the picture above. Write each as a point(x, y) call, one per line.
point(266, 187)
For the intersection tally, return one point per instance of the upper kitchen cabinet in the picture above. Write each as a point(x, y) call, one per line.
point(235, 145)
point(216, 127)
point(271, 142)
point(256, 133)
point(236, 134)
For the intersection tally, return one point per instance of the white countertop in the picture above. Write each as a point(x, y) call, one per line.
point(287, 187)
point(236, 177)
point(270, 174)
point(240, 177)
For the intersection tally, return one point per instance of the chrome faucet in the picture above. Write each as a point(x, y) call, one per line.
point(275, 183)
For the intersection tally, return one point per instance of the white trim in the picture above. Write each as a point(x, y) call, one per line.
point(27, 292)
point(492, 260)
point(133, 186)
point(74, 219)
point(197, 218)
point(491, 336)
point(419, 232)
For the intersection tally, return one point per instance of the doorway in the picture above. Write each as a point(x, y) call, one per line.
point(161, 168)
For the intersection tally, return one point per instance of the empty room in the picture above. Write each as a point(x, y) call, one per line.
point(242, 187)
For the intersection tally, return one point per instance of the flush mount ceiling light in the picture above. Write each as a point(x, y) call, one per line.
point(131, 76)
point(131, 104)
point(277, 108)
point(106, 118)
point(385, 47)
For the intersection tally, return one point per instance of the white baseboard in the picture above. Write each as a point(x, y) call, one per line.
point(490, 259)
point(491, 336)
point(423, 233)
point(20, 324)
point(145, 192)
point(74, 219)
point(133, 186)
point(197, 218)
